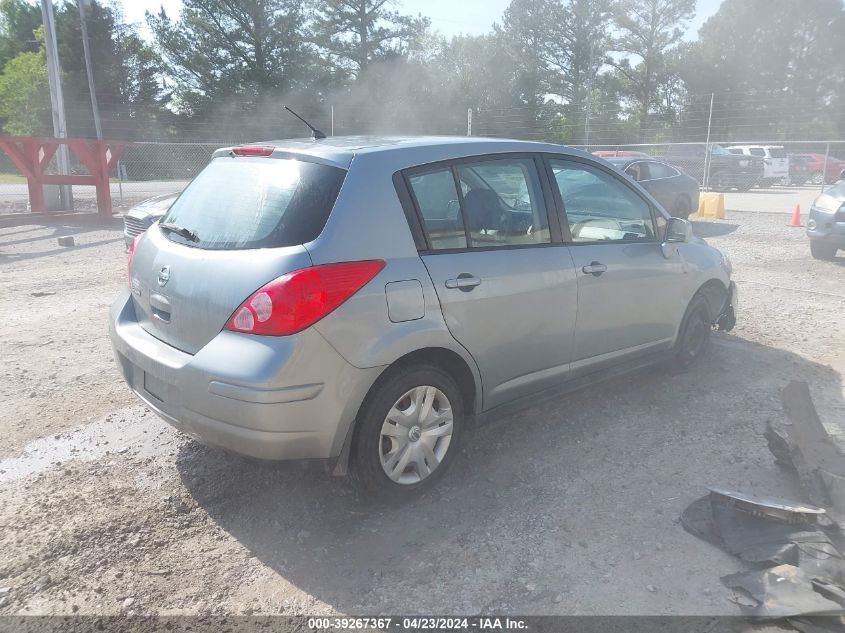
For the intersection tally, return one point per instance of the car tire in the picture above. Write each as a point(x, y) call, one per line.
point(822, 250)
point(748, 185)
point(816, 178)
point(694, 335)
point(719, 181)
point(379, 445)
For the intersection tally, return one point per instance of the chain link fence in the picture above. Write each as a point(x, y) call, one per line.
point(152, 168)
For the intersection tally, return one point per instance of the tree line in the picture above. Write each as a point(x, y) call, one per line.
point(577, 71)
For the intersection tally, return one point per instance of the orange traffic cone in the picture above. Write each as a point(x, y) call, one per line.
point(796, 216)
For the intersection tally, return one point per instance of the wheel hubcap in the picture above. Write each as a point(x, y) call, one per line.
point(415, 435)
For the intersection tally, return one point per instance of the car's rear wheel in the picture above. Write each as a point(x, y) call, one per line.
point(694, 338)
point(822, 250)
point(720, 181)
point(817, 178)
point(408, 432)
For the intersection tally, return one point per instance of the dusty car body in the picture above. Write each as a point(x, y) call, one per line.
point(826, 223)
point(360, 299)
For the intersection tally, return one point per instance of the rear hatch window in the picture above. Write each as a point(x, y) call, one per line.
point(777, 152)
point(254, 202)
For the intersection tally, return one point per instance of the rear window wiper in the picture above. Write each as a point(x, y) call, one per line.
point(181, 231)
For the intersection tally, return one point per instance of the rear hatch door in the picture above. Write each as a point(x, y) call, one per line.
point(240, 224)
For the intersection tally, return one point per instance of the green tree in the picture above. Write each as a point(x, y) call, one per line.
point(126, 73)
point(25, 95)
point(19, 20)
point(356, 33)
point(576, 49)
point(775, 71)
point(649, 30)
point(225, 49)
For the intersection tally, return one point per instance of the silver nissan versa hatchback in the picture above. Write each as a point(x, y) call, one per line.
point(360, 300)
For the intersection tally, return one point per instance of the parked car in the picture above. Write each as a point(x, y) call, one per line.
point(826, 223)
point(726, 171)
point(676, 191)
point(820, 170)
point(358, 300)
point(775, 162)
point(140, 217)
point(799, 169)
point(619, 153)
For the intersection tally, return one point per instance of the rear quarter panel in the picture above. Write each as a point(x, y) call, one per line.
point(368, 222)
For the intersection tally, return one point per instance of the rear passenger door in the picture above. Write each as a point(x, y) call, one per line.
point(505, 282)
point(630, 299)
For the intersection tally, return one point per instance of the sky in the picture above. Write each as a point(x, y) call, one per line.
point(450, 17)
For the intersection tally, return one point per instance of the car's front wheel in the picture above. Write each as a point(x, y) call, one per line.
point(408, 433)
point(694, 337)
point(822, 250)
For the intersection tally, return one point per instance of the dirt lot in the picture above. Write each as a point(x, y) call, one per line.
point(570, 507)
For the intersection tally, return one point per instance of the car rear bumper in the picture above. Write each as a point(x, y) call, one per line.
point(289, 397)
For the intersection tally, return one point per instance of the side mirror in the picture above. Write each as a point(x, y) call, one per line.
point(678, 231)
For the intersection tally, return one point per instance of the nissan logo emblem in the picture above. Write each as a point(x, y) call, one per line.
point(163, 275)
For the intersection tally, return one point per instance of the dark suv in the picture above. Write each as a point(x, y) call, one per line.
point(726, 171)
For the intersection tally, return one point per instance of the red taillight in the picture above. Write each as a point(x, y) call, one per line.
point(132, 248)
point(253, 150)
point(300, 298)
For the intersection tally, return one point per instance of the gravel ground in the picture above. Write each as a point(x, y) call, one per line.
point(569, 507)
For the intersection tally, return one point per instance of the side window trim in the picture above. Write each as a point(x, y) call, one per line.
point(564, 219)
point(409, 207)
point(549, 203)
point(461, 206)
point(557, 229)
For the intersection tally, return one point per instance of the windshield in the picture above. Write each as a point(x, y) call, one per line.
point(239, 203)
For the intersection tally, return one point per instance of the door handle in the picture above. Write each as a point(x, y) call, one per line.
point(464, 281)
point(595, 269)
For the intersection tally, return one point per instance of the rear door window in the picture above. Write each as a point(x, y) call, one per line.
point(440, 209)
point(495, 202)
point(757, 151)
point(502, 203)
point(777, 152)
point(246, 202)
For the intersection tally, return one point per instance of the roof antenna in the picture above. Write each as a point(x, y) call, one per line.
point(315, 133)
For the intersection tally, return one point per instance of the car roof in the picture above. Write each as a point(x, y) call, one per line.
point(754, 147)
point(340, 150)
point(622, 163)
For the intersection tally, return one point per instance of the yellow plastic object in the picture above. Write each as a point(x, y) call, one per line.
point(711, 205)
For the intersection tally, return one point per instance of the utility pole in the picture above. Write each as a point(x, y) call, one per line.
point(89, 69)
point(56, 98)
point(589, 112)
point(707, 144)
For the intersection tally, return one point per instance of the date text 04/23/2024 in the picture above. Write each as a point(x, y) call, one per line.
point(417, 623)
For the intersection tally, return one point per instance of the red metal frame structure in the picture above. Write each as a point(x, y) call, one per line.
point(32, 154)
